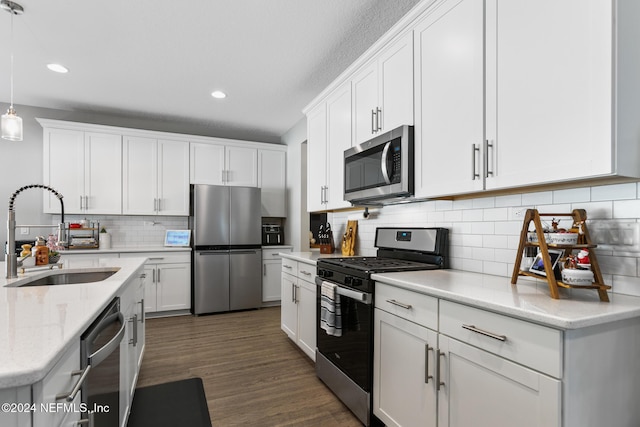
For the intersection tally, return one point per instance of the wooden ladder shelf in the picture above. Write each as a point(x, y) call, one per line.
point(579, 217)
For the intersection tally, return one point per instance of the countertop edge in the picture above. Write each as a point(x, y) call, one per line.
point(547, 319)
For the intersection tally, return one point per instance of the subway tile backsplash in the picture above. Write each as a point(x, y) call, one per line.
point(484, 231)
point(134, 231)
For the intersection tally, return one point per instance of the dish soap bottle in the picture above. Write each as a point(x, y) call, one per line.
point(41, 252)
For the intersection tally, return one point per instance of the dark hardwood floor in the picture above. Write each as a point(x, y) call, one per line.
point(253, 374)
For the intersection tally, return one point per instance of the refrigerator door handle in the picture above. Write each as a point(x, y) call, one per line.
point(213, 253)
point(242, 252)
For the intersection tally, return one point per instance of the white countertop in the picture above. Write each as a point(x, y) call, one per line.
point(528, 299)
point(126, 250)
point(39, 323)
point(309, 257)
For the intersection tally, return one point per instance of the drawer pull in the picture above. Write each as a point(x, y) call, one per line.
point(399, 304)
point(306, 273)
point(472, 328)
point(286, 266)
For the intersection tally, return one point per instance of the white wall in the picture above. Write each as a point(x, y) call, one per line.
point(484, 232)
point(297, 216)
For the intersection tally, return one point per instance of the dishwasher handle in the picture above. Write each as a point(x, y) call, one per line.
point(102, 353)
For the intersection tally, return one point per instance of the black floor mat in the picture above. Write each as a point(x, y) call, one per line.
point(179, 403)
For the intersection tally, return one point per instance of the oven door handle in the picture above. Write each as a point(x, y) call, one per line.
point(102, 353)
point(358, 296)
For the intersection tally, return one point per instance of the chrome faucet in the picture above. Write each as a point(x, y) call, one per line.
point(11, 259)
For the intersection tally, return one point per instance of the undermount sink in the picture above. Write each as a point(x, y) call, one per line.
point(67, 278)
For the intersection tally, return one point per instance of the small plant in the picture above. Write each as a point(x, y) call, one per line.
point(103, 230)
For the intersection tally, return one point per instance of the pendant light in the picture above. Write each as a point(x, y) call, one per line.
point(11, 122)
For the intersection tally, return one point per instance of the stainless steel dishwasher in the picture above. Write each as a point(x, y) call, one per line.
point(100, 361)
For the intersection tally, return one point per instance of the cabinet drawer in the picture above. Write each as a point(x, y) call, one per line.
point(307, 272)
point(529, 344)
point(274, 253)
point(413, 306)
point(289, 266)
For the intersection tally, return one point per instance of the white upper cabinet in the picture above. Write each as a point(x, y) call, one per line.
point(549, 93)
point(317, 157)
point(272, 179)
point(215, 164)
point(85, 167)
point(155, 177)
point(383, 91)
point(449, 99)
point(500, 104)
point(328, 136)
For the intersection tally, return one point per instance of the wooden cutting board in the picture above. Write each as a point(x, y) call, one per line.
point(349, 239)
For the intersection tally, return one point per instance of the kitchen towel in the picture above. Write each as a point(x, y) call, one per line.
point(330, 315)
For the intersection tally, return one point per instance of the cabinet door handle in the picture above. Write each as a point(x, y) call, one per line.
point(293, 292)
point(427, 377)
point(373, 121)
point(439, 382)
point(472, 328)
point(76, 388)
point(159, 275)
point(141, 310)
point(81, 202)
point(487, 145)
point(134, 325)
point(475, 151)
point(86, 202)
point(400, 304)
point(378, 119)
point(264, 269)
point(153, 279)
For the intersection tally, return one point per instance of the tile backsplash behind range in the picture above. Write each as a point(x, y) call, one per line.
point(484, 231)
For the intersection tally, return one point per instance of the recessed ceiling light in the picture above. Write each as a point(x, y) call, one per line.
point(58, 68)
point(218, 94)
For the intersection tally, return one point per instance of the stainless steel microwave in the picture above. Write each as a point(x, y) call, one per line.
point(380, 171)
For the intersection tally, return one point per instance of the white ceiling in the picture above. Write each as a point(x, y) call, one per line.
point(160, 59)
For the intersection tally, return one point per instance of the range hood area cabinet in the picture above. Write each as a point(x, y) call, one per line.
point(85, 167)
point(328, 136)
point(383, 91)
point(551, 95)
point(155, 176)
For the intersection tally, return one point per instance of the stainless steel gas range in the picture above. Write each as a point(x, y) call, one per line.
point(345, 308)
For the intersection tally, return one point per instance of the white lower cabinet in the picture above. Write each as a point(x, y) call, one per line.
point(167, 281)
point(425, 377)
point(298, 304)
point(480, 388)
point(404, 393)
point(271, 273)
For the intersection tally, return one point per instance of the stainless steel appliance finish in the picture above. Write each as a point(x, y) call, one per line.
point(380, 171)
point(100, 361)
point(227, 253)
point(345, 363)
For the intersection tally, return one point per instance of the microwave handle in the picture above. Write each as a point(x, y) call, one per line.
point(383, 163)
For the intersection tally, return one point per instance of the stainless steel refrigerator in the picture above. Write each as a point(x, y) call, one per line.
point(227, 253)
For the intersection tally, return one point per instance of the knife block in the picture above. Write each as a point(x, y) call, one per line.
point(328, 248)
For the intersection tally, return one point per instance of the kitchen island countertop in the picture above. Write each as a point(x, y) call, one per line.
point(41, 322)
point(529, 299)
